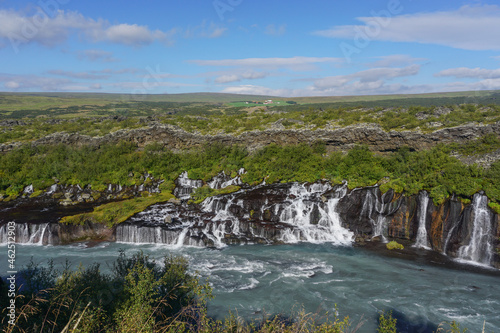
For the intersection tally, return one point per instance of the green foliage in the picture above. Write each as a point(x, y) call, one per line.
point(139, 296)
point(453, 327)
point(386, 323)
point(393, 245)
point(407, 171)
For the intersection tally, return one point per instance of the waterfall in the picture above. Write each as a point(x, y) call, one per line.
point(313, 220)
point(222, 180)
point(480, 247)
point(33, 234)
point(185, 185)
point(380, 224)
point(133, 233)
point(422, 241)
point(448, 237)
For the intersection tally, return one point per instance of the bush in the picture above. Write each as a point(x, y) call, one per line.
point(139, 296)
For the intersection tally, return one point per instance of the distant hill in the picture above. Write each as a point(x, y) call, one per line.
point(29, 102)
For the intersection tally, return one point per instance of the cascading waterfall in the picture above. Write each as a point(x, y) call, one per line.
point(480, 247)
point(422, 240)
point(185, 186)
point(222, 180)
point(28, 233)
point(313, 221)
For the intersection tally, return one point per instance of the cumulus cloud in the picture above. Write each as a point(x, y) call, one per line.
point(78, 75)
point(250, 75)
point(371, 78)
point(128, 34)
point(395, 60)
point(256, 90)
point(12, 85)
point(469, 27)
point(476, 73)
point(35, 83)
point(96, 56)
point(294, 63)
point(18, 29)
point(205, 30)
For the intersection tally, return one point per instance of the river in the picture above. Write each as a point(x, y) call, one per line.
point(253, 280)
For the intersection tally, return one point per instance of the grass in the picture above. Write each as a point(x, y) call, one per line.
point(114, 213)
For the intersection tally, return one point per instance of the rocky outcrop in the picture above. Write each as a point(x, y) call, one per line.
point(336, 139)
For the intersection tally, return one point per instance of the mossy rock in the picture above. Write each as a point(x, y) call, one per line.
point(393, 245)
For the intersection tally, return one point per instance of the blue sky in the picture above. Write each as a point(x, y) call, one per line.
point(282, 48)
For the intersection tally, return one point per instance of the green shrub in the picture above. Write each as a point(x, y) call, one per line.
point(386, 323)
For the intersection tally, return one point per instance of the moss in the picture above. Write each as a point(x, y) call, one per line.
point(114, 213)
point(495, 206)
point(465, 201)
point(201, 193)
point(36, 194)
point(393, 245)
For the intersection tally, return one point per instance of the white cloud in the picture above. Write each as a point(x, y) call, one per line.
point(18, 28)
point(34, 83)
point(294, 63)
point(249, 75)
point(96, 56)
point(395, 60)
point(464, 72)
point(256, 90)
point(77, 75)
point(273, 30)
point(205, 30)
point(469, 27)
point(12, 85)
point(128, 34)
point(369, 78)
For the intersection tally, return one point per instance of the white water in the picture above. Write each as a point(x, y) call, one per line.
point(222, 180)
point(422, 240)
point(256, 279)
point(311, 217)
point(479, 249)
point(32, 234)
point(313, 223)
point(186, 186)
point(380, 224)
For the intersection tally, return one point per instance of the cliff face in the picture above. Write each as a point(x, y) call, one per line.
point(290, 213)
point(336, 139)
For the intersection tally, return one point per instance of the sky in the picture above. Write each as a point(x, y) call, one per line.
point(280, 48)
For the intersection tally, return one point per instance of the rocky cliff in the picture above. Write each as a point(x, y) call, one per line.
point(293, 212)
point(341, 138)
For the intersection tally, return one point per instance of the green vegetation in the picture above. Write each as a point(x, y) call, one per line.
point(117, 212)
point(138, 296)
point(393, 245)
point(386, 322)
point(406, 171)
point(96, 115)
